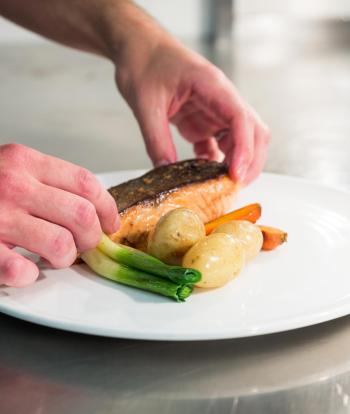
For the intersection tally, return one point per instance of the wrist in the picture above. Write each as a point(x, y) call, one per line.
point(130, 33)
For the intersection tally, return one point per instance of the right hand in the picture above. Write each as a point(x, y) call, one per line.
point(164, 83)
point(50, 207)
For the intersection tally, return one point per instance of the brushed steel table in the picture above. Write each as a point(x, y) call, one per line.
point(297, 75)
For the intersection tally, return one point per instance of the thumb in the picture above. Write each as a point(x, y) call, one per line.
point(154, 125)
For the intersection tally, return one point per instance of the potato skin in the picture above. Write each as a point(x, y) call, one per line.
point(248, 233)
point(175, 233)
point(219, 257)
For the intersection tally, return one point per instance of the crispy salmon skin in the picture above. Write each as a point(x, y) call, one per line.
point(200, 185)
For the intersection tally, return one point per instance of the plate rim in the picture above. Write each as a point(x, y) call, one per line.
point(272, 328)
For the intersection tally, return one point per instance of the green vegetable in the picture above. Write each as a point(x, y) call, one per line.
point(108, 268)
point(146, 263)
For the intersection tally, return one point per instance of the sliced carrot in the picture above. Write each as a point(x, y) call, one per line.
point(251, 213)
point(272, 237)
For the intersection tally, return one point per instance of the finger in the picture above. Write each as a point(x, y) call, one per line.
point(238, 146)
point(208, 149)
point(221, 97)
point(48, 240)
point(262, 138)
point(70, 211)
point(15, 270)
point(218, 95)
point(186, 110)
point(155, 129)
point(198, 126)
point(83, 183)
point(61, 174)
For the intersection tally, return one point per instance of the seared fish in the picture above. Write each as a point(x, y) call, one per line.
point(200, 185)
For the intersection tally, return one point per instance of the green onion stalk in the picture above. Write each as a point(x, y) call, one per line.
point(138, 260)
point(130, 276)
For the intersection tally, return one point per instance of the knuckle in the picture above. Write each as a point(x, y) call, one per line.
point(123, 81)
point(266, 134)
point(92, 241)
point(7, 221)
point(13, 185)
point(7, 181)
point(260, 126)
point(62, 249)
point(18, 272)
point(12, 270)
point(112, 208)
point(243, 115)
point(111, 219)
point(214, 72)
point(246, 115)
point(86, 214)
point(14, 153)
point(141, 103)
point(219, 75)
point(87, 184)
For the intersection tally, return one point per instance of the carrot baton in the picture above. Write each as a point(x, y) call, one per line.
point(251, 212)
point(273, 237)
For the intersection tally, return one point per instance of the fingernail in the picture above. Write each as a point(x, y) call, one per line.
point(162, 163)
point(203, 156)
point(241, 172)
point(114, 227)
point(221, 134)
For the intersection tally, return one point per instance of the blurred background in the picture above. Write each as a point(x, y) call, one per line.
point(290, 60)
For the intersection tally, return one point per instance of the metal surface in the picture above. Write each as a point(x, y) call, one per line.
point(298, 78)
point(218, 17)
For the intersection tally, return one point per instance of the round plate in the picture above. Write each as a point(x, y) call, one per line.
point(304, 282)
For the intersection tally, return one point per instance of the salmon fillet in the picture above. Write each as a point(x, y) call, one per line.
point(200, 185)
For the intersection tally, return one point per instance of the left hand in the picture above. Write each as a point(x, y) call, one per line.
point(165, 82)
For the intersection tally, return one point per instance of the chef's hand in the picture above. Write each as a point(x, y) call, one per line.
point(161, 79)
point(49, 207)
point(165, 82)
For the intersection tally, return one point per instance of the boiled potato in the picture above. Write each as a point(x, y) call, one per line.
point(219, 257)
point(174, 234)
point(248, 233)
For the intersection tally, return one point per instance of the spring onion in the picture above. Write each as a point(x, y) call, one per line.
point(108, 268)
point(146, 263)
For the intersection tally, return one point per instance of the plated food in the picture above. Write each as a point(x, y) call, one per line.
point(245, 232)
point(199, 185)
point(176, 233)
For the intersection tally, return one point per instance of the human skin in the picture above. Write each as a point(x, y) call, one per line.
point(55, 208)
point(50, 207)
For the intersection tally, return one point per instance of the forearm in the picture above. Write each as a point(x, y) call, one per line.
point(99, 26)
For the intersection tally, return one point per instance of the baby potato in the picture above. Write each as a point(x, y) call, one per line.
point(248, 233)
point(174, 234)
point(219, 257)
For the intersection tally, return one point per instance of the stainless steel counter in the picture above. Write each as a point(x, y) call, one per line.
point(65, 103)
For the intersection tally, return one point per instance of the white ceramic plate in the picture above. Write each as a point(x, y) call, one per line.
point(304, 282)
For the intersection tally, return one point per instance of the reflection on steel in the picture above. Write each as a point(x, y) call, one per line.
point(297, 75)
